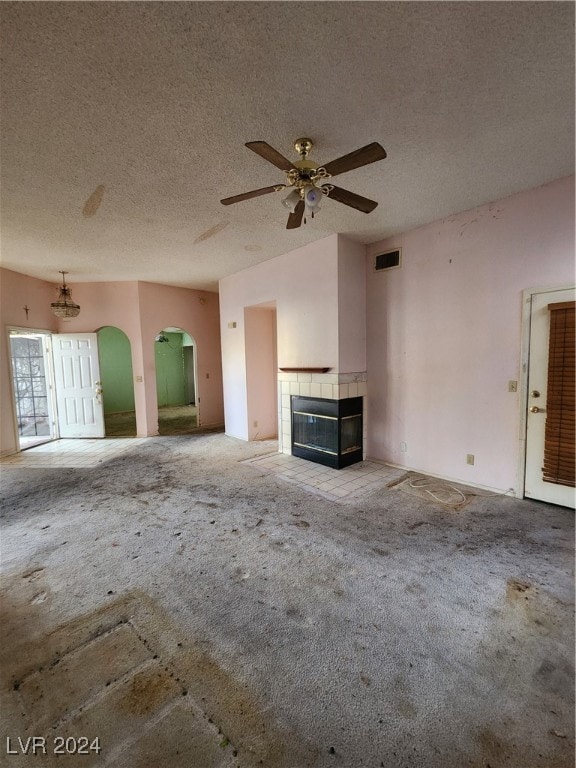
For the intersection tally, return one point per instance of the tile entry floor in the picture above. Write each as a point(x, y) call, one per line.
point(335, 484)
point(69, 453)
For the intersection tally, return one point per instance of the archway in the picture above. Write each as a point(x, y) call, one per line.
point(175, 358)
point(115, 356)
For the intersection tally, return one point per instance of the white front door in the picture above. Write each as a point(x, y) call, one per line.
point(78, 386)
point(535, 486)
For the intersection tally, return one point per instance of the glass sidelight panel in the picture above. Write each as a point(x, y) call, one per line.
point(351, 434)
point(30, 386)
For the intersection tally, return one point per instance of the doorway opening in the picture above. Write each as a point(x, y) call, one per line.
point(115, 355)
point(176, 382)
point(33, 387)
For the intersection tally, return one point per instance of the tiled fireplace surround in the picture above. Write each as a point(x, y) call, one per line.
point(332, 386)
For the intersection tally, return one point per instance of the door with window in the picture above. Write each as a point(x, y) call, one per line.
point(550, 420)
point(32, 386)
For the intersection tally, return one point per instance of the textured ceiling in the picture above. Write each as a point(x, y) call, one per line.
point(123, 124)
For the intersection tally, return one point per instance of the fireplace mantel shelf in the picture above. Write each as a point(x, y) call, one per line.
point(304, 370)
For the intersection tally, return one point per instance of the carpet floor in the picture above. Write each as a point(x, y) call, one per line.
point(179, 606)
point(172, 420)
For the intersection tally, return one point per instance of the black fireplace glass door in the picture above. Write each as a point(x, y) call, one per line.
point(351, 433)
point(319, 432)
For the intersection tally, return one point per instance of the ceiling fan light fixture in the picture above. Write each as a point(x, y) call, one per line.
point(305, 177)
point(64, 307)
point(291, 200)
point(312, 197)
point(161, 338)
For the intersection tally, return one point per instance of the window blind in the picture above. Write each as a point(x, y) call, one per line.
point(559, 456)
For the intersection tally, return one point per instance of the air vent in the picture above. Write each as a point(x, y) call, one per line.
point(387, 260)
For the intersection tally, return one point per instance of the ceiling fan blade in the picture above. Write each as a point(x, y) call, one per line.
point(363, 156)
point(352, 199)
point(269, 153)
point(253, 193)
point(295, 219)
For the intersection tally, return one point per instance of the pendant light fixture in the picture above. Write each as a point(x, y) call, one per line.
point(65, 307)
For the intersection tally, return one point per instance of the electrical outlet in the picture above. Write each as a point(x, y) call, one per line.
point(512, 386)
point(470, 458)
point(254, 423)
point(403, 446)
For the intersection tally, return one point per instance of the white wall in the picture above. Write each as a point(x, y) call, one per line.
point(444, 333)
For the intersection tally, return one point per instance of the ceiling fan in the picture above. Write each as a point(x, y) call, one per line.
point(304, 178)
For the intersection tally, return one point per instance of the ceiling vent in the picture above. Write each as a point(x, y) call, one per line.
point(388, 260)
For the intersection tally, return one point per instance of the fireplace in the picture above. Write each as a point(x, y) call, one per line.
point(327, 431)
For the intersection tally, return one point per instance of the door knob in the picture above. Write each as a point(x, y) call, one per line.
point(535, 409)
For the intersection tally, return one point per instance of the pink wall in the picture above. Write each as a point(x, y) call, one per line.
point(320, 294)
point(351, 306)
point(197, 313)
point(115, 304)
point(444, 333)
point(261, 367)
point(140, 310)
point(17, 291)
point(304, 286)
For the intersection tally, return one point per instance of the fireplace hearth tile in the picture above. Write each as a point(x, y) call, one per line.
point(339, 485)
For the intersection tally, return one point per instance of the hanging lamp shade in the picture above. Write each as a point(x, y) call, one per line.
point(65, 307)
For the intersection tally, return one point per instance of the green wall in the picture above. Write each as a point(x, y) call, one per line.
point(115, 370)
point(170, 376)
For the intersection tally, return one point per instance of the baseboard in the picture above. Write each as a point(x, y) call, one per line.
point(499, 491)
